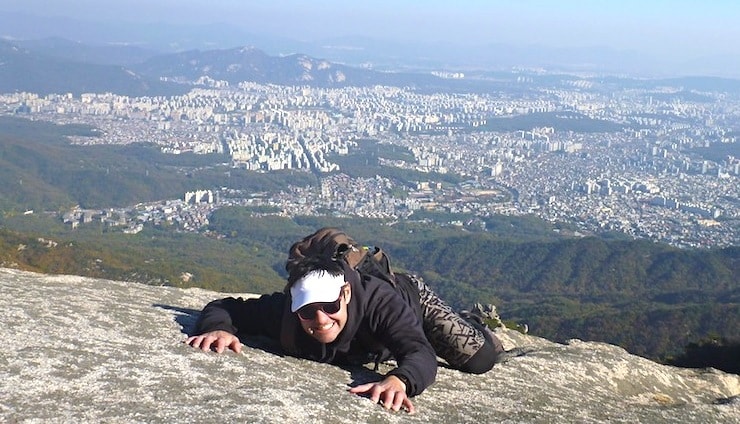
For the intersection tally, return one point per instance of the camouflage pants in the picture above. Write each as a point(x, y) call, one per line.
point(454, 338)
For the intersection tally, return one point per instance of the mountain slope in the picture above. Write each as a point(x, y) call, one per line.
point(24, 70)
point(251, 64)
point(75, 51)
point(41, 170)
point(114, 352)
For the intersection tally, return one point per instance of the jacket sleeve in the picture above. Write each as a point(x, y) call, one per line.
point(399, 329)
point(260, 316)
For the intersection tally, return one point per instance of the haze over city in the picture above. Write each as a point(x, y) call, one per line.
point(680, 37)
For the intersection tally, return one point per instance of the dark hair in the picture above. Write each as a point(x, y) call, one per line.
point(313, 263)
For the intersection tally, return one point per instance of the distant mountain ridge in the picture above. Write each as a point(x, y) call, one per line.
point(385, 54)
point(56, 65)
point(25, 70)
point(60, 66)
point(249, 63)
point(76, 51)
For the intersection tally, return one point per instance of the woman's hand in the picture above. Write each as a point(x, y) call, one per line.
point(217, 340)
point(391, 391)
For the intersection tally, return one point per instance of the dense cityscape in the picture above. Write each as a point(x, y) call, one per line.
point(626, 160)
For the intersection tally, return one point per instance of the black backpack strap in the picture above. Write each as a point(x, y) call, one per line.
point(376, 263)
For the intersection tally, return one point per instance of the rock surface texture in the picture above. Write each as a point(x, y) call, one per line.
point(87, 350)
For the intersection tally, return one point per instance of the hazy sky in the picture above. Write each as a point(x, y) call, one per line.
point(652, 26)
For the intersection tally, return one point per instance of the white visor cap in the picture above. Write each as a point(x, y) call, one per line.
point(316, 286)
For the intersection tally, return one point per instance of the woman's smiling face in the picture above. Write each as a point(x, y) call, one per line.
point(326, 327)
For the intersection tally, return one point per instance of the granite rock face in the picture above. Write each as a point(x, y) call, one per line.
point(76, 349)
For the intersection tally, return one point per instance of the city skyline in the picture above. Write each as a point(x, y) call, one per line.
point(644, 162)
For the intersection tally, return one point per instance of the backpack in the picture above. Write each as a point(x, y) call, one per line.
point(336, 244)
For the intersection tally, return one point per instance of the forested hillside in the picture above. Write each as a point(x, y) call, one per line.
point(41, 170)
point(650, 298)
point(646, 297)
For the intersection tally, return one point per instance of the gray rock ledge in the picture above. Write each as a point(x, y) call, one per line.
point(88, 350)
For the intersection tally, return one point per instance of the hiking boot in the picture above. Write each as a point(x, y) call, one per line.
point(472, 317)
point(482, 314)
point(488, 312)
point(478, 321)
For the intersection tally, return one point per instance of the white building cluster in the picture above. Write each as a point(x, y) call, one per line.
point(645, 178)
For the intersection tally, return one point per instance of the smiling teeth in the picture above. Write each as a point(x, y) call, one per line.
point(325, 327)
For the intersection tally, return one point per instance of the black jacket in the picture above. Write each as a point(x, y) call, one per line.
point(378, 318)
